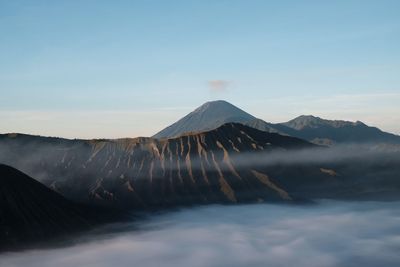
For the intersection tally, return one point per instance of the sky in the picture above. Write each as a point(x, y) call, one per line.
point(94, 69)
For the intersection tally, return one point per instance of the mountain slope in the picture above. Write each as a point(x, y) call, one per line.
point(29, 211)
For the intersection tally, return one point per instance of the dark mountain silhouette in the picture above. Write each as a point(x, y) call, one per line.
point(29, 211)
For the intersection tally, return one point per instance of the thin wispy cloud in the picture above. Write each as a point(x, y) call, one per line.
point(218, 85)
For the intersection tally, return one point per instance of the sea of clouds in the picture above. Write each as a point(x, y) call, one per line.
point(328, 233)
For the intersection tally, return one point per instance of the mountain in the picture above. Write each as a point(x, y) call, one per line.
point(209, 116)
point(29, 210)
point(147, 172)
point(309, 121)
point(316, 130)
point(328, 132)
point(233, 163)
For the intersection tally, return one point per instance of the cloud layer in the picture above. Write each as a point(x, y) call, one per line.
point(323, 235)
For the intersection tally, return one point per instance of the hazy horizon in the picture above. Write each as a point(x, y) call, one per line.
point(103, 128)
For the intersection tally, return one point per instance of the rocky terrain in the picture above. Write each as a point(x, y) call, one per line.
point(227, 165)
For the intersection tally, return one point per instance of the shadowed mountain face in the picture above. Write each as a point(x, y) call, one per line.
point(143, 172)
point(31, 211)
point(316, 130)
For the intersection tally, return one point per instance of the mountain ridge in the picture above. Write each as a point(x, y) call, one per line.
point(153, 172)
point(303, 121)
point(330, 132)
point(230, 164)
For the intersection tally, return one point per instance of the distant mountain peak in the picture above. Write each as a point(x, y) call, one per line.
point(224, 107)
point(208, 116)
point(211, 104)
point(308, 117)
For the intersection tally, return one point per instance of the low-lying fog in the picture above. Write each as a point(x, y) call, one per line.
point(330, 233)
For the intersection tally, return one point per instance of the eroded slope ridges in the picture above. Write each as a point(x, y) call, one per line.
point(142, 172)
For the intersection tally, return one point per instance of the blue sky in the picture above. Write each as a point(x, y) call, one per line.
point(128, 68)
